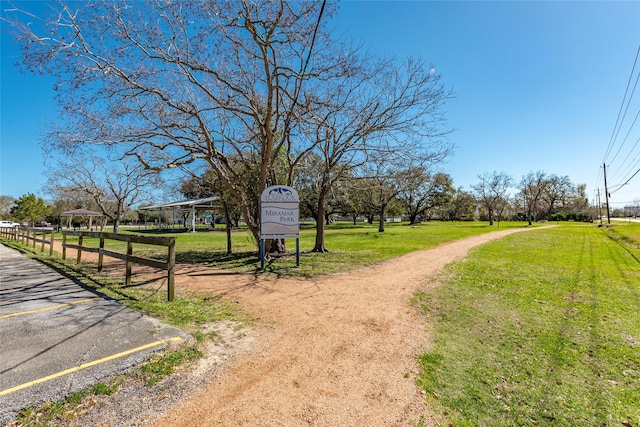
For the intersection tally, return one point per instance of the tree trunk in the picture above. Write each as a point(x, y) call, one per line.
point(275, 246)
point(252, 221)
point(227, 220)
point(320, 216)
point(381, 224)
point(412, 218)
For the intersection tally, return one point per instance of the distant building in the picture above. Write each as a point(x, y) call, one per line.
point(632, 211)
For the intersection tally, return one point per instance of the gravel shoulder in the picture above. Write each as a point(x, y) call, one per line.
point(327, 351)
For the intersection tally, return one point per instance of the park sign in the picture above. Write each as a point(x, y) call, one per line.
point(279, 213)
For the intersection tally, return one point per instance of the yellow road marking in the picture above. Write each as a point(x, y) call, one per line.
point(84, 366)
point(53, 307)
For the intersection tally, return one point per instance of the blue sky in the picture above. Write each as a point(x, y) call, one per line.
point(538, 87)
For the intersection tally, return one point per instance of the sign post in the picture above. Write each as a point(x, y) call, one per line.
point(279, 217)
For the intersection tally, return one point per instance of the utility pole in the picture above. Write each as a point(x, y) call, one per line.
point(606, 193)
point(599, 208)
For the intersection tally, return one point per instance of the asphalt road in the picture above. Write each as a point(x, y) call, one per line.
point(58, 336)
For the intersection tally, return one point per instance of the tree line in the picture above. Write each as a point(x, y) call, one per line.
point(237, 96)
point(412, 194)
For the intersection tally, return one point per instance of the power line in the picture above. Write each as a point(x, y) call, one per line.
point(622, 185)
point(611, 141)
point(623, 117)
point(626, 170)
point(627, 135)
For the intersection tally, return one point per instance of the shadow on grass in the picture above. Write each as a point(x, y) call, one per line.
point(156, 231)
point(217, 258)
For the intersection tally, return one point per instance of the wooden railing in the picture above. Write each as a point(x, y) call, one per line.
point(29, 236)
point(129, 258)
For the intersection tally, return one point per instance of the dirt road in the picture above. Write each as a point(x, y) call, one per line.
point(334, 351)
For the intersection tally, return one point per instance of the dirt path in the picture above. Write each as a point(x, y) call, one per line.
point(335, 351)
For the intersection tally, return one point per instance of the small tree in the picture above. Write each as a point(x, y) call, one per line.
point(424, 192)
point(462, 206)
point(502, 204)
point(31, 208)
point(383, 181)
point(491, 189)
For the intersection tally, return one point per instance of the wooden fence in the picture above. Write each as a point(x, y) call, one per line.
point(29, 236)
point(129, 258)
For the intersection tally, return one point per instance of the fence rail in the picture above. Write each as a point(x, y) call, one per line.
point(129, 258)
point(29, 235)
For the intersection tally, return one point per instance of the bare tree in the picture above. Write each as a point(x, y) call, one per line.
point(374, 109)
point(113, 184)
point(532, 187)
point(308, 181)
point(502, 204)
point(262, 81)
point(492, 190)
point(5, 206)
point(556, 194)
point(183, 82)
point(65, 198)
point(382, 181)
point(578, 199)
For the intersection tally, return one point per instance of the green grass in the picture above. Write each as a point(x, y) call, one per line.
point(65, 411)
point(511, 294)
point(627, 231)
point(538, 328)
point(349, 246)
point(162, 365)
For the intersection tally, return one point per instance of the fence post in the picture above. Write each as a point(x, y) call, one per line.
point(35, 237)
point(79, 257)
point(44, 238)
point(53, 233)
point(171, 264)
point(129, 253)
point(100, 254)
point(64, 246)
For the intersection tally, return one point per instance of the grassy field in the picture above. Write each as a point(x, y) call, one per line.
point(538, 328)
point(627, 231)
point(350, 246)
